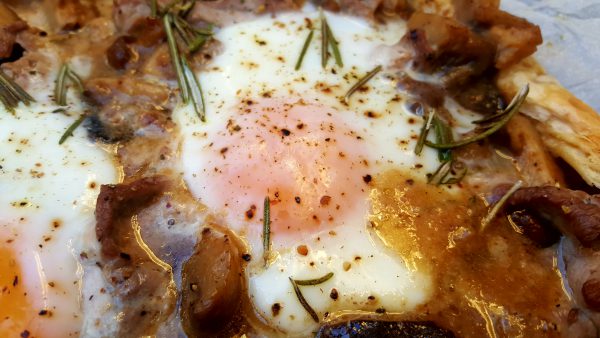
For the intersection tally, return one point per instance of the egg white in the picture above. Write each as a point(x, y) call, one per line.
point(47, 207)
point(259, 57)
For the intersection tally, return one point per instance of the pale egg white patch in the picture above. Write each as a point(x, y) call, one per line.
point(257, 62)
point(47, 207)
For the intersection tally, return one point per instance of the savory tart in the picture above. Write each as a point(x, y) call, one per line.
point(290, 168)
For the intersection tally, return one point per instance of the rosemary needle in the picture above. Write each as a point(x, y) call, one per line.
point(175, 59)
point(60, 89)
point(304, 48)
point(315, 281)
point(153, 9)
point(492, 214)
point(324, 41)
point(11, 93)
point(303, 301)
point(424, 132)
point(508, 113)
point(334, 45)
point(266, 229)
point(71, 129)
point(362, 82)
point(194, 90)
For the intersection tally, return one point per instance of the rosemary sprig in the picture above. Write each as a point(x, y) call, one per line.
point(304, 49)
point(60, 89)
point(328, 40)
point(303, 301)
point(424, 132)
point(153, 9)
point(71, 129)
point(443, 134)
point(266, 229)
point(492, 213)
point(362, 82)
point(334, 44)
point(324, 41)
point(193, 38)
point(11, 93)
point(490, 126)
point(195, 90)
point(189, 85)
point(175, 58)
point(449, 172)
point(315, 281)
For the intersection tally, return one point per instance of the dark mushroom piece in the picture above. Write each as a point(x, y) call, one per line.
point(537, 210)
point(211, 285)
point(383, 329)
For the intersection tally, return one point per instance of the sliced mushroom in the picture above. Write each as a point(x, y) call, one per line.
point(211, 285)
point(383, 329)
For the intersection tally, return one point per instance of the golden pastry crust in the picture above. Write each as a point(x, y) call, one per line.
point(570, 129)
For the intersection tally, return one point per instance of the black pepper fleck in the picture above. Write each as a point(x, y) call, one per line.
point(275, 308)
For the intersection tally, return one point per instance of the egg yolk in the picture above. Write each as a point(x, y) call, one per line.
point(302, 156)
point(15, 311)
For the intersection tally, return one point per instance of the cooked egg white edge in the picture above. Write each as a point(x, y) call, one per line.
point(43, 182)
point(259, 57)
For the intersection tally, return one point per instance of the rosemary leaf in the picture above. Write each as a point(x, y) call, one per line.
point(449, 172)
point(458, 170)
point(315, 281)
point(362, 82)
point(71, 129)
point(334, 45)
point(194, 90)
point(492, 213)
point(175, 59)
point(11, 93)
point(304, 49)
point(75, 79)
point(324, 41)
point(153, 9)
point(197, 43)
point(180, 27)
point(424, 131)
point(267, 230)
point(440, 173)
point(443, 134)
point(303, 301)
point(508, 113)
point(60, 89)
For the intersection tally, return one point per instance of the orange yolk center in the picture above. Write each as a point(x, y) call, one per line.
point(307, 160)
point(15, 311)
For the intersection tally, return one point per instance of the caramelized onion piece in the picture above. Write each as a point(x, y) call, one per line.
point(142, 283)
point(383, 329)
point(211, 284)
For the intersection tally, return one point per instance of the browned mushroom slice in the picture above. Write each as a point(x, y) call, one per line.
point(442, 43)
point(211, 285)
point(383, 329)
point(126, 106)
point(142, 283)
point(574, 213)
